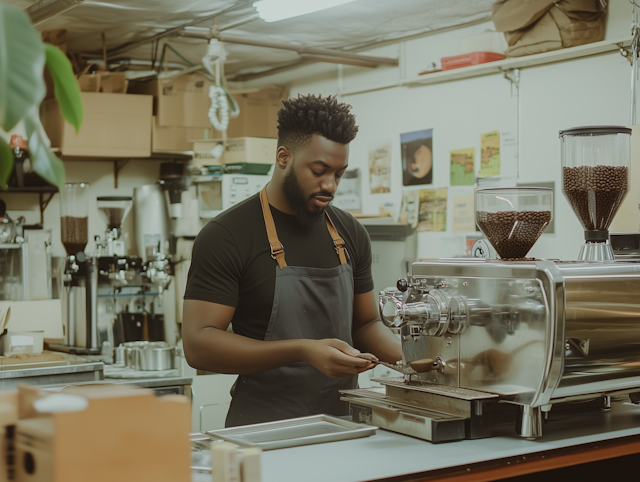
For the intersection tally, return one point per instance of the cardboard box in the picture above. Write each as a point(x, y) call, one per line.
point(202, 155)
point(36, 315)
point(8, 419)
point(243, 150)
point(176, 139)
point(113, 432)
point(106, 82)
point(59, 39)
point(115, 125)
point(178, 102)
point(22, 342)
point(56, 37)
point(252, 150)
point(258, 112)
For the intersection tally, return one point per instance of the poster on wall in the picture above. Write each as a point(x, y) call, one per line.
point(463, 217)
point(417, 157)
point(432, 214)
point(380, 167)
point(462, 168)
point(409, 208)
point(489, 154)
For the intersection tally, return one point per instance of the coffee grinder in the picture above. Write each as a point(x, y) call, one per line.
point(115, 267)
point(595, 181)
point(80, 280)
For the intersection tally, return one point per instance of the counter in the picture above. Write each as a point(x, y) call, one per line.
point(162, 386)
point(567, 441)
point(73, 370)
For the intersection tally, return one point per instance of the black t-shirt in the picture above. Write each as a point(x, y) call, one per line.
point(232, 264)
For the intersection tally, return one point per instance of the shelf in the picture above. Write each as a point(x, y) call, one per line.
point(120, 162)
point(33, 189)
point(501, 66)
point(40, 191)
point(155, 156)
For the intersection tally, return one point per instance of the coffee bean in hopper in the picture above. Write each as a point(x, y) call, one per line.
point(513, 233)
point(595, 192)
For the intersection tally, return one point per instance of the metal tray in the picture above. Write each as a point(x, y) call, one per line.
point(294, 432)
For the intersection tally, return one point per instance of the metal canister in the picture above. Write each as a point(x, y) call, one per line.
point(154, 358)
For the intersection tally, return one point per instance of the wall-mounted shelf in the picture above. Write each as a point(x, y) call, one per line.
point(501, 66)
point(45, 194)
point(119, 163)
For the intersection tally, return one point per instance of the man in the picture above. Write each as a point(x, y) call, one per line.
point(292, 275)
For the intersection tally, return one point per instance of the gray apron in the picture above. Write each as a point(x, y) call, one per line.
point(310, 303)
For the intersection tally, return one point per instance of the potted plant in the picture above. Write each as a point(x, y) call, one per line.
point(22, 59)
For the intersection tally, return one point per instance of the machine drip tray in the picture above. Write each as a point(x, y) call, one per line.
point(445, 390)
point(373, 407)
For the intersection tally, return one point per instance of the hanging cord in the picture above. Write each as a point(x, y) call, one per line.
point(209, 74)
point(219, 112)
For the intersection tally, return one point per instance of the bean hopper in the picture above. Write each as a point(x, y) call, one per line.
point(491, 341)
point(114, 211)
point(595, 181)
point(513, 219)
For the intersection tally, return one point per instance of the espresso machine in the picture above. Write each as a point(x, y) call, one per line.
point(130, 307)
point(515, 339)
point(79, 275)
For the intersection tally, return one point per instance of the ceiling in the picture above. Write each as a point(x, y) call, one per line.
point(348, 27)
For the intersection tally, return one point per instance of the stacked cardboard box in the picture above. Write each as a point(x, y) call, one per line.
point(115, 125)
point(180, 107)
point(253, 155)
point(258, 112)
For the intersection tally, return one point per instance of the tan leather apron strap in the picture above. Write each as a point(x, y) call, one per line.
point(338, 242)
point(277, 249)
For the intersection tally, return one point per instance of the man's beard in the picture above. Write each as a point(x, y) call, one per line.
point(295, 196)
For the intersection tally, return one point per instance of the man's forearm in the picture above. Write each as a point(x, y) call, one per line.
point(376, 338)
point(221, 351)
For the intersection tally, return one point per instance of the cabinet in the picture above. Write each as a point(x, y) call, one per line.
point(210, 401)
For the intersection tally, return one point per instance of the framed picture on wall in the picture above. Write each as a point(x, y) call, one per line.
point(417, 157)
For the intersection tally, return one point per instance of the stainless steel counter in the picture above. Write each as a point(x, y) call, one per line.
point(162, 386)
point(74, 370)
point(387, 454)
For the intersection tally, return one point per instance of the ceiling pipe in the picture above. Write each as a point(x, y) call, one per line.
point(335, 60)
point(237, 23)
point(242, 77)
point(173, 31)
point(46, 9)
point(207, 34)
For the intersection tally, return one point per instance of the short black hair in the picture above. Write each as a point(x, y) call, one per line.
point(300, 118)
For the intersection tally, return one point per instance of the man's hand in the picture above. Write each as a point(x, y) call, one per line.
point(335, 358)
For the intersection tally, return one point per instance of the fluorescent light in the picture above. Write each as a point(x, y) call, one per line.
point(274, 10)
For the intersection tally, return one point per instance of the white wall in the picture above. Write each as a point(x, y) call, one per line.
point(593, 90)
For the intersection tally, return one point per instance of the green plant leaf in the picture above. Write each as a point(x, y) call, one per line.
point(66, 87)
point(6, 163)
point(44, 162)
point(21, 66)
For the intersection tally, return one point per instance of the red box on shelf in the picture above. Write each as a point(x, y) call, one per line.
point(473, 58)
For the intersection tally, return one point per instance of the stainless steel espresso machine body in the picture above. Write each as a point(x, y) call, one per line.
point(532, 334)
point(486, 341)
